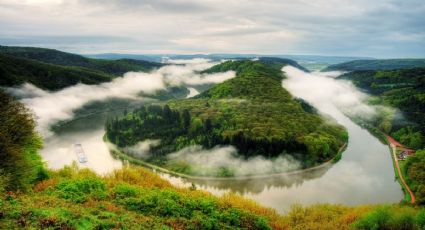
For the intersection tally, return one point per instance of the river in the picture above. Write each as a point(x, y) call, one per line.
point(364, 175)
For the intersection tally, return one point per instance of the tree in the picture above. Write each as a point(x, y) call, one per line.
point(207, 125)
point(186, 118)
point(20, 163)
point(166, 113)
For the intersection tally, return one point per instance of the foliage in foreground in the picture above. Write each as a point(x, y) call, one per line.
point(125, 199)
point(415, 171)
point(136, 198)
point(20, 164)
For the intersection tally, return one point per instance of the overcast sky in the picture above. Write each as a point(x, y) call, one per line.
point(375, 28)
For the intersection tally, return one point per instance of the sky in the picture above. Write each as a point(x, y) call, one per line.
point(377, 28)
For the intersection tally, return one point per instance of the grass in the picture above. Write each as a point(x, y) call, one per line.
point(134, 197)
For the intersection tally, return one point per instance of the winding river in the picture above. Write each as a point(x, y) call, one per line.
point(364, 175)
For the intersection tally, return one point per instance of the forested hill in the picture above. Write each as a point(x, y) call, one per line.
point(251, 111)
point(52, 69)
point(403, 89)
point(15, 71)
point(377, 64)
point(114, 67)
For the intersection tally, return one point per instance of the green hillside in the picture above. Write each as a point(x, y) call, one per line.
point(15, 71)
point(251, 111)
point(377, 64)
point(402, 89)
point(53, 70)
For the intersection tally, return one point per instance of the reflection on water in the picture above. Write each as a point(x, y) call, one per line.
point(364, 174)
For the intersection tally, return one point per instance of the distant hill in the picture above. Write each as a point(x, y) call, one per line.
point(280, 62)
point(381, 64)
point(301, 59)
point(115, 67)
point(16, 71)
point(53, 69)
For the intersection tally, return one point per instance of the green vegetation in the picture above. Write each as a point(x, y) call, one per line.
point(53, 70)
point(20, 164)
point(402, 89)
point(378, 64)
point(414, 168)
point(278, 63)
point(251, 112)
point(136, 198)
point(51, 56)
point(392, 217)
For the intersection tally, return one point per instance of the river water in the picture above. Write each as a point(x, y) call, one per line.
point(364, 175)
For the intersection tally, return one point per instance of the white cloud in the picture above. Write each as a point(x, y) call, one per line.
point(241, 26)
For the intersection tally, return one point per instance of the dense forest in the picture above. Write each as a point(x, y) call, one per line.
point(403, 89)
point(52, 69)
point(251, 112)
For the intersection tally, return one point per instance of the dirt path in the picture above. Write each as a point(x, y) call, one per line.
point(394, 150)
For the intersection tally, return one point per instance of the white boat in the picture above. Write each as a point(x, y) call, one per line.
point(79, 151)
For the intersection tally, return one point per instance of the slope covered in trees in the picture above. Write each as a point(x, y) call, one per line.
point(251, 112)
point(16, 71)
point(377, 64)
point(52, 69)
point(402, 89)
point(113, 67)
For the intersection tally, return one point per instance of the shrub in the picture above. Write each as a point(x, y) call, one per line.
point(121, 191)
point(391, 217)
point(420, 219)
point(80, 190)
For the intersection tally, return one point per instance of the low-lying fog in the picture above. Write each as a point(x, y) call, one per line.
point(51, 107)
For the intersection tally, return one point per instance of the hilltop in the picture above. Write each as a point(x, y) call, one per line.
point(252, 112)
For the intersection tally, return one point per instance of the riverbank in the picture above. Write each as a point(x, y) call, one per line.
point(126, 158)
point(409, 197)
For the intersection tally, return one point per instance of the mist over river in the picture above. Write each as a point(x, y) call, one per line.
point(364, 174)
